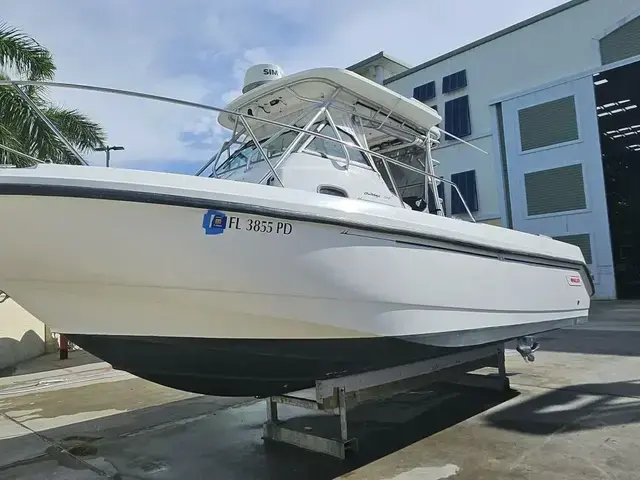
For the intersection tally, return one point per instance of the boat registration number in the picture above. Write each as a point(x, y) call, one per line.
point(215, 223)
point(260, 226)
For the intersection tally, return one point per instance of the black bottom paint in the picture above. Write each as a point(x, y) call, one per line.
point(247, 368)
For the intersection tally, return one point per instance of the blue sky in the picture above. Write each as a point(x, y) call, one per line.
point(198, 50)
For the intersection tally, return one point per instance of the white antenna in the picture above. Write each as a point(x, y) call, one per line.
point(461, 140)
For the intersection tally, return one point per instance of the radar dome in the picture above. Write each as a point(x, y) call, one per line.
point(260, 74)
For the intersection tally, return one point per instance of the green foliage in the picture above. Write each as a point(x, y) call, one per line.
point(21, 128)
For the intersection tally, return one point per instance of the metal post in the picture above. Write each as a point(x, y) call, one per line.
point(260, 149)
point(227, 144)
point(502, 368)
point(338, 136)
point(64, 347)
point(429, 168)
point(393, 182)
point(107, 150)
point(272, 410)
point(342, 405)
point(305, 130)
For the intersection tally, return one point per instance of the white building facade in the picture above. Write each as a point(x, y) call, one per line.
point(526, 96)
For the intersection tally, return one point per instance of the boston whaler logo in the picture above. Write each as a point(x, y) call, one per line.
point(574, 280)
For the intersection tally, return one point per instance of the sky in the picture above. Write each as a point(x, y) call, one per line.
point(198, 50)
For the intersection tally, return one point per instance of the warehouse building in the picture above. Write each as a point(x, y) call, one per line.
point(554, 101)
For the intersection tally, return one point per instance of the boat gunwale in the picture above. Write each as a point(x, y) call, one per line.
point(159, 198)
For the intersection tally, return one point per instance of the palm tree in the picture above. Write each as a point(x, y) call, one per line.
point(20, 127)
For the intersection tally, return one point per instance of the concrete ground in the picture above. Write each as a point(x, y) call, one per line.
point(575, 413)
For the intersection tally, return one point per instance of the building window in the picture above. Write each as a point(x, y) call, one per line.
point(425, 92)
point(549, 123)
point(466, 182)
point(457, 119)
point(455, 81)
point(555, 190)
point(583, 241)
point(622, 43)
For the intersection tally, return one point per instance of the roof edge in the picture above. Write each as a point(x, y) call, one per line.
point(378, 56)
point(494, 36)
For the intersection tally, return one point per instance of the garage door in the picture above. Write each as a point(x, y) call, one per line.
point(554, 171)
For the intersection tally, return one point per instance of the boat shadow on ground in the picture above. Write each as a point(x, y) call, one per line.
point(189, 437)
point(594, 342)
point(576, 408)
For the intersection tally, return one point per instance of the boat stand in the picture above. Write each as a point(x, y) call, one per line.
point(340, 394)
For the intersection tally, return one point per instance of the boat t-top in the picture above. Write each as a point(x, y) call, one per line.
point(291, 256)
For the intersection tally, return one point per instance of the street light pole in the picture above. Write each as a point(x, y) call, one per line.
point(107, 150)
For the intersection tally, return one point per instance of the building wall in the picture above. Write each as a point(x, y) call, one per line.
point(22, 336)
point(555, 171)
point(555, 47)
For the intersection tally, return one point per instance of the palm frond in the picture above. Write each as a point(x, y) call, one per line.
point(31, 135)
point(8, 139)
point(21, 128)
point(77, 128)
point(23, 54)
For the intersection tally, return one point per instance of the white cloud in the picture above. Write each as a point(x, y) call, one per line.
point(198, 50)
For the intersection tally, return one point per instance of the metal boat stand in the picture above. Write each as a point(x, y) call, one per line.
point(338, 395)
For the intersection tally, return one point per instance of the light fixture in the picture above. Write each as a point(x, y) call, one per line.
point(625, 129)
point(601, 82)
point(617, 110)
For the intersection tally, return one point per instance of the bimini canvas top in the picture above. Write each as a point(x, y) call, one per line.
point(282, 97)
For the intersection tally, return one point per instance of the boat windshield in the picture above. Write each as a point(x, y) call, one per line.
point(323, 147)
point(249, 151)
point(317, 146)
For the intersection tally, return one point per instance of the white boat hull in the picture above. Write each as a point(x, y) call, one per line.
point(134, 280)
point(145, 269)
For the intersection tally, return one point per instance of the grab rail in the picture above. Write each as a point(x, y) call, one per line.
point(3, 296)
point(243, 120)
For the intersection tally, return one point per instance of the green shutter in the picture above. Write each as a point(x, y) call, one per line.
point(621, 43)
point(555, 190)
point(582, 240)
point(548, 124)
